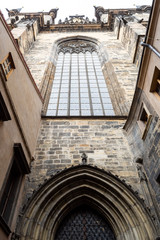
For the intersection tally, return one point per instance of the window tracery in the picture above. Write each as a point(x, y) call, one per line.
point(77, 46)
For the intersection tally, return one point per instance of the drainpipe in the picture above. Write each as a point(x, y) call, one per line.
point(119, 27)
point(150, 47)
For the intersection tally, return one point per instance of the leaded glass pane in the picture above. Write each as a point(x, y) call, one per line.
point(63, 106)
point(52, 106)
point(63, 100)
point(85, 106)
point(63, 95)
point(106, 100)
point(84, 85)
point(74, 106)
point(62, 112)
point(109, 112)
point(83, 94)
point(96, 106)
point(98, 112)
point(74, 94)
point(107, 106)
point(74, 112)
point(84, 90)
point(95, 94)
point(85, 100)
point(104, 95)
point(54, 95)
point(52, 101)
point(96, 100)
point(85, 112)
point(74, 100)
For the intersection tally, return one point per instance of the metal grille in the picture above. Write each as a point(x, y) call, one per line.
point(84, 224)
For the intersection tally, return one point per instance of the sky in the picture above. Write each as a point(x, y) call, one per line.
point(69, 7)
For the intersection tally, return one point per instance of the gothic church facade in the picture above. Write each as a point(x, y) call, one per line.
point(80, 159)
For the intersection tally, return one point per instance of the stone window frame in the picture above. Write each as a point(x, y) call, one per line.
point(10, 193)
point(155, 84)
point(4, 114)
point(7, 65)
point(70, 46)
point(11, 187)
point(144, 120)
point(117, 97)
point(158, 177)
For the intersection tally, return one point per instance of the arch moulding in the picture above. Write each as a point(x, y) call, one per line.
point(84, 184)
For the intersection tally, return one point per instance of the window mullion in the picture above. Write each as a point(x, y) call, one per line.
point(98, 85)
point(60, 87)
point(69, 86)
point(89, 92)
point(79, 93)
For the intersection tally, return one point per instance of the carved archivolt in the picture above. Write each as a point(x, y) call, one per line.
point(76, 46)
point(91, 186)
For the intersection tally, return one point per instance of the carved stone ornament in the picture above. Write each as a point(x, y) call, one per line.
point(104, 18)
point(141, 174)
point(84, 158)
point(76, 46)
point(77, 19)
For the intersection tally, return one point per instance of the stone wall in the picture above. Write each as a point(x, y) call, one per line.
point(129, 35)
point(61, 143)
point(139, 49)
point(146, 151)
point(149, 151)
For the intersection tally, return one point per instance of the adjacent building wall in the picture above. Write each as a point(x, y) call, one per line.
point(22, 89)
point(147, 148)
point(24, 103)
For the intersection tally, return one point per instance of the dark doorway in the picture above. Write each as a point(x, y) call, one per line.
point(84, 223)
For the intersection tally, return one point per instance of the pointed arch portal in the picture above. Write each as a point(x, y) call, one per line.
point(71, 191)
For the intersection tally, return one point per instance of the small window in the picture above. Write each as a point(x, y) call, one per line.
point(158, 177)
point(4, 114)
point(10, 192)
point(144, 116)
point(8, 65)
point(144, 121)
point(155, 86)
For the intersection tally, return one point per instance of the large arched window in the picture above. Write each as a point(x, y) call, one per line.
point(79, 87)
